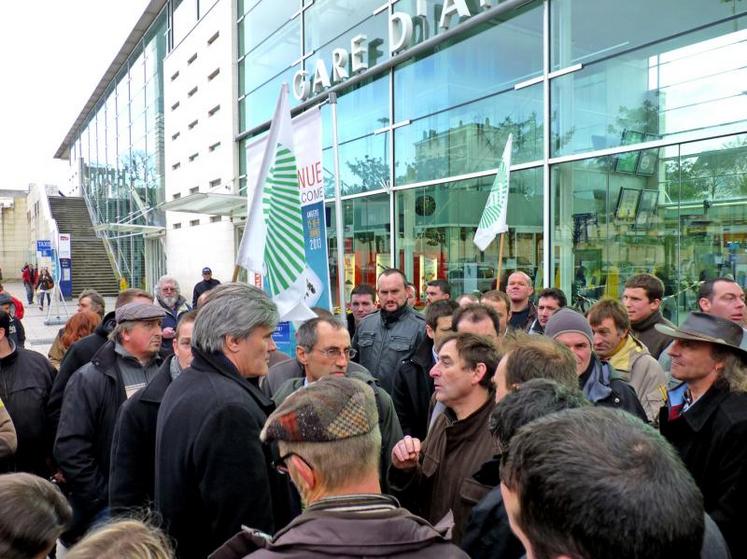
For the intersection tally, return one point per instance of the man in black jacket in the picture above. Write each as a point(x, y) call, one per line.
point(413, 385)
point(706, 417)
point(207, 283)
point(131, 474)
point(82, 351)
point(124, 365)
point(599, 381)
point(25, 381)
point(213, 474)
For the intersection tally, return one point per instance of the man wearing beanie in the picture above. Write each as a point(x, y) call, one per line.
point(327, 440)
point(599, 381)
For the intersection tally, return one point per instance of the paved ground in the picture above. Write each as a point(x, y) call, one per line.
point(39, 336)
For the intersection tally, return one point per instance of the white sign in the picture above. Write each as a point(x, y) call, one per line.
point(63, 245)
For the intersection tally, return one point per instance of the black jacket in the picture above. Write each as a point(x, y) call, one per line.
point(413, 387)
point(84, 436)
point(25, 382)
point(711, 438)
point(132, 470)
point(213, 474)
point(202, 287)
point(488, 533)
point(77, 355)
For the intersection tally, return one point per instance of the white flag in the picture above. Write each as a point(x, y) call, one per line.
point(493, 220)
point(273, 241)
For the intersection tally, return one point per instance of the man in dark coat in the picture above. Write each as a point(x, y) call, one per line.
point(25, 381)
point(169, 296)
point(642, 299)
point(213, 474)
point(599, 381)
point(82, 351)
point(706, 417)
point(124, 365)
point(328, 443)
point(413, 385)
point(132, 470)
point(207, 283)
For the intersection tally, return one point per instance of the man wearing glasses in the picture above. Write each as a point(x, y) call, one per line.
point(328, 442)
point(323, 349)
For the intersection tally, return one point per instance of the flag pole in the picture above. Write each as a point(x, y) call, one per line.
point(332, 99)
point(236, 272)
point(500, 262)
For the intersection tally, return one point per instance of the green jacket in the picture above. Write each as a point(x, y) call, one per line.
point(391, 431)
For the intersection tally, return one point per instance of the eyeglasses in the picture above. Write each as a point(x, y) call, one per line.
point(334, 352)
point(281, 467)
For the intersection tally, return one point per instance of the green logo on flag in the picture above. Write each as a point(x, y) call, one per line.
point(496, 198)
point(284, 253)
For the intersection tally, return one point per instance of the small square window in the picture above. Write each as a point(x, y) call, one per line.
point(194, 222)
point(214, 110)
point(177, 225)
point(213, 74)
point(212, 39)
point(192, 91)
point(192, 58)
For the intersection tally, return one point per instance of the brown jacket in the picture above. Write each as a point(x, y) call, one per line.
point(8, 439)
point(452, 453)
point(635, 364)
point(352, 526)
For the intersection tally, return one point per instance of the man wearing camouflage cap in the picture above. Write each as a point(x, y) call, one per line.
point(123, 365)
point(328, 441)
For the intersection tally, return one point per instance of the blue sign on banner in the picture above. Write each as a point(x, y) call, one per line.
point(281, 335)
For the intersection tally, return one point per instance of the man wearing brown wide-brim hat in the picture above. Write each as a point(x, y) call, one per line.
point(706, 416)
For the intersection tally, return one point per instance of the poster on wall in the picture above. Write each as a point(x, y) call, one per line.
point(307, 139)
point(65, 258)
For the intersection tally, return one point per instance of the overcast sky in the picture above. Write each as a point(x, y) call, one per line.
point(52, 55)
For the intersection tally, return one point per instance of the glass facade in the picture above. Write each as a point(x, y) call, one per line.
point(119, 154)
point(629, 128)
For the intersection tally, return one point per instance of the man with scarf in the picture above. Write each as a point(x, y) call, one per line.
point(599, 380)
point(385, 338)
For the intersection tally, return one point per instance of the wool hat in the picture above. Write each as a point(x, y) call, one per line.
point(330, 409)
point(138, 311)
point(5, 299)
point(568, 320)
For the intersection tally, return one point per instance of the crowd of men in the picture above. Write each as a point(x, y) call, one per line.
point(489, 425)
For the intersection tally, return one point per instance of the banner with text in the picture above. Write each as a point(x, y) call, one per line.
point(307, 139)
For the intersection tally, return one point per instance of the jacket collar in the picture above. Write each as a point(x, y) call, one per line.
point(11, 357)
point(647, 322)
point(154, 391)
point(218, 363)
point(107, 326)
point(702, 410)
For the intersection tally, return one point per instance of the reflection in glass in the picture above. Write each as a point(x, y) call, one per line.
point(326, 19)
point(683, 223)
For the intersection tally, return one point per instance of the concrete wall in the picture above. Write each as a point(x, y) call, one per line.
point(200, 154)
point(14, 236)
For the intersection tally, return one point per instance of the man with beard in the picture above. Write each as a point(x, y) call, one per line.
point(386, 337)
point(169, 296)
point(124, 365)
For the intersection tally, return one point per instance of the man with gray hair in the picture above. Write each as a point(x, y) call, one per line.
point(169, 296)
point(124, 365)
point(213, 474)
point(328, 441)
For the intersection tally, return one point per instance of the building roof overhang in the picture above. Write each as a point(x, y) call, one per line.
point(211, 203)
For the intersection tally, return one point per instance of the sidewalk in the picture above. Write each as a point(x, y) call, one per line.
point(39, 336)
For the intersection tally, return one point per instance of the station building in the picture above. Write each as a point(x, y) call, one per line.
point(629, 136)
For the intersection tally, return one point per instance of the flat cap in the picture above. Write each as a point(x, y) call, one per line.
point(330, 409)
point(138, 311)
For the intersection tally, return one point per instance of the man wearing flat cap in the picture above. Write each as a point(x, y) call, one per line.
point(705, 418)
point(327, 440)
point(123, 365)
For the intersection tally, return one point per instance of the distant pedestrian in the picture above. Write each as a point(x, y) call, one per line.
point(549, 301)
point(33, 513)
point(642, 299)
point(328, 442)
point(362, 303)
point(46, 285)
point(437, 290)
point(523, 312)
point(207, 283)
point(27, 275)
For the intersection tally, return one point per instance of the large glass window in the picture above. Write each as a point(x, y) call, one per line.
point(263, 20)
point(279, 51)
point(436, 225)
point(677, 212)
point(586, 30)
point(366, 233)
point(676, 89)
point(326, 20)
